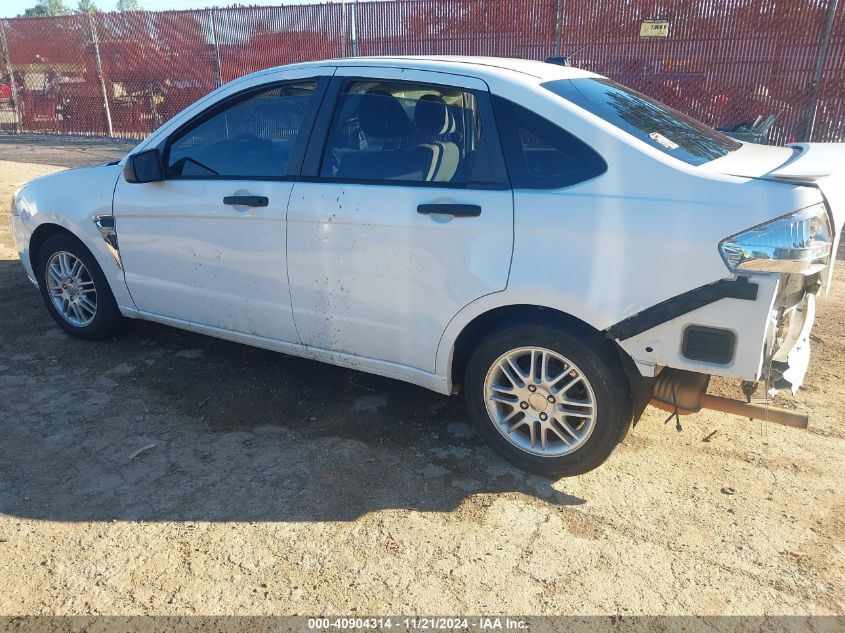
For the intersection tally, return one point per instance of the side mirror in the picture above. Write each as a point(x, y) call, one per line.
point(144, 166)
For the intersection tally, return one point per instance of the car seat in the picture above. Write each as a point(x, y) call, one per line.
point(434, 120)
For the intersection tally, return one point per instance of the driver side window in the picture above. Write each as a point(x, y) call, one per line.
point(252, 138)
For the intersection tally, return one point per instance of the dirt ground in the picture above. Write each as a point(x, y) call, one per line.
point(169, 473)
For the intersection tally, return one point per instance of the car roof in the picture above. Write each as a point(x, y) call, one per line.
point(490, 69)
point(481, 67)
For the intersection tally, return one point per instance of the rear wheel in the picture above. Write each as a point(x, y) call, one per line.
point(550, 401)
point(75, 290)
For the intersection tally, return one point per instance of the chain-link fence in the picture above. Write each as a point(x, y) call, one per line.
point(730, 63)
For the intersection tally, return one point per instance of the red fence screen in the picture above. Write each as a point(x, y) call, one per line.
point(726, 62)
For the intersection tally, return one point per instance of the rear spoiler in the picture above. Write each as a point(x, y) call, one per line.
point(825, 161)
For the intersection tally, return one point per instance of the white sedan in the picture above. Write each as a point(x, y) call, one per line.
point(559, 248)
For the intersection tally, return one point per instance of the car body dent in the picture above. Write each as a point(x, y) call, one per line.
point(72, 199)
point(376, 281)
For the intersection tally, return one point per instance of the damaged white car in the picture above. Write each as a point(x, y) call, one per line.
point(557, 247)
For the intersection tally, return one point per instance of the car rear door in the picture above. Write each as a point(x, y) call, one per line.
point(403, 214)
point(207, 244)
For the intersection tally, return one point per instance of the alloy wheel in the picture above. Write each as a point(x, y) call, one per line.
point(71, 288)
point(540, 401)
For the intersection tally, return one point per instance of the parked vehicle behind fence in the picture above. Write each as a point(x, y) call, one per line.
point(557, 247)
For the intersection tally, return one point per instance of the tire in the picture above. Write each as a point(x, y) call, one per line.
point(106, 318)
point(591, 436)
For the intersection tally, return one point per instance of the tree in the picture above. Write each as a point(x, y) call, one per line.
point(47, 8)
point(128, 5)
point(86, 6)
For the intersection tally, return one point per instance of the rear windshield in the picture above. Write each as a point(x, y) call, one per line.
point(660, 126)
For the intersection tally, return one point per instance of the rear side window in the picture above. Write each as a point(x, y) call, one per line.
point(540, 154)
point(410, 132)
point(660, 126)
point(251, 138)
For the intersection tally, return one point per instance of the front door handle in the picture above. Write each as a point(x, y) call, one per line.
point(246, 201)
point(457, 210)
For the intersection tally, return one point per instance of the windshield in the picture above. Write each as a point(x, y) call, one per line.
point(660, 126)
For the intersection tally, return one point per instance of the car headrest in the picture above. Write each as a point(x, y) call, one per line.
point(381, 115)
point(431, 115)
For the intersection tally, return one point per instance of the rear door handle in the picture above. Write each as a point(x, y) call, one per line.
point(458, 210)
point(246, 201)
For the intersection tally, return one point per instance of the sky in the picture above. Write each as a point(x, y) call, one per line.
point(12, 8)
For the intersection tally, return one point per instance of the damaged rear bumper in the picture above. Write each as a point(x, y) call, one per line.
point(764, 335)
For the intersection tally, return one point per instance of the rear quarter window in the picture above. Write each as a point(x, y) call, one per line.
point(539, 154)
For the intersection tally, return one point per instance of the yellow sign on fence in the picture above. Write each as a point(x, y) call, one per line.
point(654, 28)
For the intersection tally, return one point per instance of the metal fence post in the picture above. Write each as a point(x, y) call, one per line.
point(353, 30)
point(812, 105)
point(13, 89)
point(218, 73)
point(98, 64)
point(344, 29)
point(558, 34)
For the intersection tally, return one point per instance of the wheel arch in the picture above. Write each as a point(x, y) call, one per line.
point(69, 202)
point(40, 235)
point(112, 272)
point(523, 313)
point(517, 313)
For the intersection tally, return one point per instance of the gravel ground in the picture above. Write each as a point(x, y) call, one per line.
point(169, 473)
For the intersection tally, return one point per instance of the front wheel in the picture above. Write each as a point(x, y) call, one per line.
point(552, 402)
point(75, 290)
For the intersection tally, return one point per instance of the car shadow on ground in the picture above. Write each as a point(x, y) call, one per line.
point(164, 425)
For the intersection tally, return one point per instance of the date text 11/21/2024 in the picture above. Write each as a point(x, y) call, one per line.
point(419, 624)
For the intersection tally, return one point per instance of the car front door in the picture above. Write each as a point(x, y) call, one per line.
point(207, 244)
point(403, 214)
